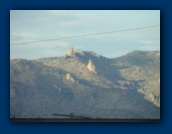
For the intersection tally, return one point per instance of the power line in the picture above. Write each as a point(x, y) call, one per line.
point(78, 36)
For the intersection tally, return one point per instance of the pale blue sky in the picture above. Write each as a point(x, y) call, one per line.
point(33, 25)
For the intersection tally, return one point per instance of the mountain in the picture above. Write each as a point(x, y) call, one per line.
point(83, 83)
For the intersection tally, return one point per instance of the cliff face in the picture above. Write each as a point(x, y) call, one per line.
point(124, 87)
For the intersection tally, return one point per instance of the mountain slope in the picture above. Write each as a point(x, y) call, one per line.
point(116, 88)
point(143, 67)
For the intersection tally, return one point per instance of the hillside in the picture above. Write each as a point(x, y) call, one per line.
point(143, 68)
point(86, 84)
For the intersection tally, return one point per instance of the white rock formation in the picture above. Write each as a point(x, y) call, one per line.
point(70, 78)
point(70, 51)
point(91, 67)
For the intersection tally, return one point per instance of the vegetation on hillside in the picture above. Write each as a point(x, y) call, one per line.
point(127, 87)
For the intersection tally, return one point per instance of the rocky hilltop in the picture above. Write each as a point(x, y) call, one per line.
point(86, 84)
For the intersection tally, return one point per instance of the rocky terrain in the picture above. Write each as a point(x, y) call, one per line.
point(86, 84)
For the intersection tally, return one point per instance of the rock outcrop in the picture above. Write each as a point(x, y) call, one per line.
point(91, 67)
point(70, 51)
point(78, 51)
point(70, 78)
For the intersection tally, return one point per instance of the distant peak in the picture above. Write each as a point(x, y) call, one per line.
point(78, 51)
point(94, 54)
point(72, 53)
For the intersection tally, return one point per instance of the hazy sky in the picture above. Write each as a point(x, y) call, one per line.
point(33, 25)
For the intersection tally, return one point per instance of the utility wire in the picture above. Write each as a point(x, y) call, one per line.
point(84, 35)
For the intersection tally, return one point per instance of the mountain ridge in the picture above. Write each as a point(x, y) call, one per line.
point(115, 81)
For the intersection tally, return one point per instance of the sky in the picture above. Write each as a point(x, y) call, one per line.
point(35, 25)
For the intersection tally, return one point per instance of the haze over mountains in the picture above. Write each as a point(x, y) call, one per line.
point(84, 83)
